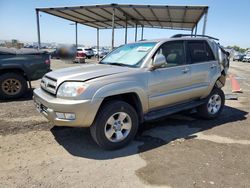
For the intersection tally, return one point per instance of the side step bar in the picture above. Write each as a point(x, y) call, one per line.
point(156, 114)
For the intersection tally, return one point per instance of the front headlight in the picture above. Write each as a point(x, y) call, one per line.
point(71, 89)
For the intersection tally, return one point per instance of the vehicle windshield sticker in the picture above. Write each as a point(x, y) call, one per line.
point(143, 48)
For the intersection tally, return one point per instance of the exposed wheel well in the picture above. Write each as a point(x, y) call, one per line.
point(130, 98)
point(220, 82)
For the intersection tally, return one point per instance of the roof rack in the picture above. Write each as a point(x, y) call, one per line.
point(190, 35)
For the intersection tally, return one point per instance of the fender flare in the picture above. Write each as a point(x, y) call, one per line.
point(123, 87)
point(15, 67)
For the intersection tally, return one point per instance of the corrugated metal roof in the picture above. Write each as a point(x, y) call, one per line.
point(151, 16)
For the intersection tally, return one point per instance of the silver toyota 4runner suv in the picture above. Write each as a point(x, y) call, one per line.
point(134, 83)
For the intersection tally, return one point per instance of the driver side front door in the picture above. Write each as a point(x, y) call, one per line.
point(170, 84)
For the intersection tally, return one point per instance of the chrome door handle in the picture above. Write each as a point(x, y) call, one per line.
point(212, 66)
point(185, 70)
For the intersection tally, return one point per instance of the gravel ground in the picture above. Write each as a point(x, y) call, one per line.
point(178, 151)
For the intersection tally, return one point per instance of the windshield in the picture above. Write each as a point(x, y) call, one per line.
point(130, 55)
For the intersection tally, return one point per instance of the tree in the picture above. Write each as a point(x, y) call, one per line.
point(237, 48)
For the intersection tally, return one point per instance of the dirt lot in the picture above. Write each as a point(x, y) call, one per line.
point(179, 151)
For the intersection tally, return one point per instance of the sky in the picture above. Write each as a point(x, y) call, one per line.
point(228, 20)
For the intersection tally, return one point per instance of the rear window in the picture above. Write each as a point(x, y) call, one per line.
point(88, 49)
point(199, 51)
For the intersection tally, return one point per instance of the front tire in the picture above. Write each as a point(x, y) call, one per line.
point(12, 86)
point(213, 105)
point(116, 124)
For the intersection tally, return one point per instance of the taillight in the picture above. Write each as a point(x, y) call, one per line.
point(80, 54)
point(47, 62)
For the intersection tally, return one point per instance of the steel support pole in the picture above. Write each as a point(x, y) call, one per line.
point(142, 28)
point(97, 43)
point(192, 31)
point(126, 31)
point(76, 36)
point(38, 29)
point(135, 32)
point(205, 24)
point(196, 29)
point(113, 29)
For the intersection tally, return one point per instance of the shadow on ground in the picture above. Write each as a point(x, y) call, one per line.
point(26, 97)
point(78, 142)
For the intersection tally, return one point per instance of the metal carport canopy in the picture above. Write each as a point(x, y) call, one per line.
point(110, 16)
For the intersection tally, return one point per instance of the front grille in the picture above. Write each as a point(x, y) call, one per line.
point(48, 84)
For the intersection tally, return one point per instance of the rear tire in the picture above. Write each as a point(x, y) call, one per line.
point(12, 85)
point(213, 105)
point(115, 125)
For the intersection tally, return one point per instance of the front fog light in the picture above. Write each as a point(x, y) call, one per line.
point(65, 116)
point(60, 115)
point(70, 116)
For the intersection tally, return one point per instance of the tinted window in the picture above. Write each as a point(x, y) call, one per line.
point(173, 52)
point(199, 51)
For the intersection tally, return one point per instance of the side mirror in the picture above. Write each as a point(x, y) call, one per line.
point(158, 61)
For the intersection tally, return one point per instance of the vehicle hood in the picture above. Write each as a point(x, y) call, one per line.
point(86, 72)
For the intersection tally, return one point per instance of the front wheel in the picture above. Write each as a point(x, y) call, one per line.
point(115, 125)
point(213, 105)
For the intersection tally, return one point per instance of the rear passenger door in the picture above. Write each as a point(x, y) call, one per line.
point(203, 66)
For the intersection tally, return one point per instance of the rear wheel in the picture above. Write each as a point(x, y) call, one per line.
point(115, 126)
point(12, 85)
point(213, 106)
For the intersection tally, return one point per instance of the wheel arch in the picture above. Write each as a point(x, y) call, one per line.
point(131, 98)
point(221, 80)
point(17, 70)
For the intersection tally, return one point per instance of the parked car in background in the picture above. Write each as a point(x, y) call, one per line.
point(80, 57)
point(101, 53)
point(87, 51)
point(246, 58)
point(238, 57)
point(55, 54)
point(134, 83)
point(17, 67)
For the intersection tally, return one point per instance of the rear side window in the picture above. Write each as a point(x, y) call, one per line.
point(199, 51)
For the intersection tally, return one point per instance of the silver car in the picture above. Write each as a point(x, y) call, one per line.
point(136, 82)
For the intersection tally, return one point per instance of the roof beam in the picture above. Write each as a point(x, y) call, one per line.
point(101, 16)
point(115, 15)
point(184, 15)
point(88, 17)
point(169, 15)
point(193, 7)
point(70, 19)
point(129, 16)
point(143, 20)
point(151, 10)
point(142, 17)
